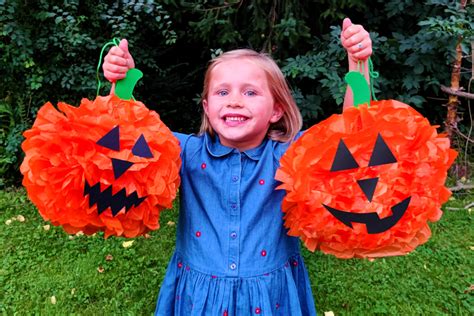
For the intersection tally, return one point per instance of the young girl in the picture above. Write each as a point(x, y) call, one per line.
point(233, 256)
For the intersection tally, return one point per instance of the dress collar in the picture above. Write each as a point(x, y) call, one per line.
point(216, 149)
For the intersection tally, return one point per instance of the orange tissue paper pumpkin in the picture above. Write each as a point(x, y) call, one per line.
point(107, 165)
point(365, 183)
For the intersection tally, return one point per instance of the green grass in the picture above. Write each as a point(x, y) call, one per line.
point(38, 264)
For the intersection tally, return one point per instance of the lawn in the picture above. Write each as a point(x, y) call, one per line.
point(45, 271)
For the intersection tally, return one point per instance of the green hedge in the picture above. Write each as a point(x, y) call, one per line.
point(50, 49)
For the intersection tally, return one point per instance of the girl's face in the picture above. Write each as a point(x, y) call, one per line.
point(239, 104)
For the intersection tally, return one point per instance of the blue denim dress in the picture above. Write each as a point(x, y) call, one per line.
point(233, 255)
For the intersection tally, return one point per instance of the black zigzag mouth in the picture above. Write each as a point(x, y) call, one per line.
point(106, 199)
point(373, 222)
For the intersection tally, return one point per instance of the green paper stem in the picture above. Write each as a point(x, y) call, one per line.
point(124, 87)
point(360, 88)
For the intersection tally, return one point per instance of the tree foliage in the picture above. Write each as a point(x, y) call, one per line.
point(50, 49)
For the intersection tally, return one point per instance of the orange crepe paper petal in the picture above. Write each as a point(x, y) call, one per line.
point(61, 154)
point(423, 158)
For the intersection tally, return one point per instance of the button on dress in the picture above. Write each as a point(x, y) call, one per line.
point(233, 255)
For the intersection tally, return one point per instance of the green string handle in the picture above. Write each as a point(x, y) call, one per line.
point(373, 75)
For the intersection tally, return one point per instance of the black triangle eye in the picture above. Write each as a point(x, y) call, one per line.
point(111, 140)
point(343, 159)
point(381, 154)
point(141, 148)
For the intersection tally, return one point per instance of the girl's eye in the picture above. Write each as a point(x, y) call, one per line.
point(222, 93)
point(250, 93)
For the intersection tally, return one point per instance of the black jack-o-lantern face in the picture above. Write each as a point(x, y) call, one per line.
point(381, 155)
point(105, 199)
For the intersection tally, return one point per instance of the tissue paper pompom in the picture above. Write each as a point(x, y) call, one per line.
point(386, 160)
point(109, 165)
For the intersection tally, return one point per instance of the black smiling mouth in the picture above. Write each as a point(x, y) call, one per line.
point(372, 220)
point(106, 199)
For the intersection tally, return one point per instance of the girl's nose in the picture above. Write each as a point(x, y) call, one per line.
point(234, 103)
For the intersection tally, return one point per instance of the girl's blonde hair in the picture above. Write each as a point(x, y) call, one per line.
point(290, 123)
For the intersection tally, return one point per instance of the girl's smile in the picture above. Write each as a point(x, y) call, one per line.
point(240, 106)
point(234, 119)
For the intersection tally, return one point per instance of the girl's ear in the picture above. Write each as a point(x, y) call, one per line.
point(277, 113)
point(204, 105)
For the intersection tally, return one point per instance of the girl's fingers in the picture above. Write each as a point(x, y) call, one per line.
point(113, 76)
point(362, 55)
point(351, 30)
point(363, 44)
point(345, 24)
point(115, 68)
point(117, 51)
point(356, 38)
point(117, 62)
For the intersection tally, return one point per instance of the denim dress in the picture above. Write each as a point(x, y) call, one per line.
point(233, 255)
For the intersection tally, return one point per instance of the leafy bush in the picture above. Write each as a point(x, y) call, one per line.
point(50, 51)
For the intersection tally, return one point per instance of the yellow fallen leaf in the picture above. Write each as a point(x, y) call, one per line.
point(147, 236)
point(463, 179)
point(471, 247)
point(128, 244)
point(330, 313)
point(171, 223)
point(80, 233)
point(8, 221)
point(73, 291)
point(53, 299)
point(469, 289)
point(46, 227)
point(100, 269)
point(71, 237)
point(20, 218)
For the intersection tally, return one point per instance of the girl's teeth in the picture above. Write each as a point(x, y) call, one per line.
point(235, 118)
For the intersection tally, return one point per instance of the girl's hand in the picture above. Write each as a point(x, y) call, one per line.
point(117, 62)
point(356, 40)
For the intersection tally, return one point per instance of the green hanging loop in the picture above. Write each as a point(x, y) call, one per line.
point(373, 75)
